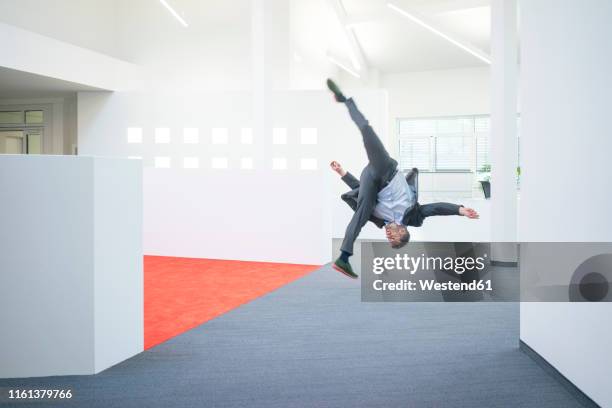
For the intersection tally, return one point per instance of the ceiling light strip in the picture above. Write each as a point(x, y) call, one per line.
point(344, 67)
point(174, 13)
point(471, 50)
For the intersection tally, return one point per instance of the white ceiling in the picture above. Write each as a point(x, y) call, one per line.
point(392, 43)
point(18, 84)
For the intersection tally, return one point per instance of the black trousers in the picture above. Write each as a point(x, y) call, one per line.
point(379, 170)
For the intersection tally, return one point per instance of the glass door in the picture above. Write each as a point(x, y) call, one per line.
point(34, 141)
point(21, 141)
point(12, 142)
point(22, 129)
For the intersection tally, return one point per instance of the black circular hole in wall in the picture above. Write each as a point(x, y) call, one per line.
point(592, 280)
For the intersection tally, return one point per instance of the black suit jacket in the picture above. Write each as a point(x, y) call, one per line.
point(415, 215)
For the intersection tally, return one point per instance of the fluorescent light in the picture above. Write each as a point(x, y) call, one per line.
point(344, 67)
point(478, 54)
point(174, 13)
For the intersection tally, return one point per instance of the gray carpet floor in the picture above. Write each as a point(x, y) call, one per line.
point(313, 343)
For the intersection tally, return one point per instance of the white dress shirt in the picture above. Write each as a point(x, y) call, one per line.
point(394, 199)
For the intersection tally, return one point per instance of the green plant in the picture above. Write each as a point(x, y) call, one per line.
point(486, 168)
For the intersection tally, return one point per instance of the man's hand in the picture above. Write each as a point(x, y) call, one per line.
point(337, 167)
point(468, 212)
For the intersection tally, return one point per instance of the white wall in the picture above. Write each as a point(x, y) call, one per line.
point(565, 191)
point(261, 214)
point(71, 232)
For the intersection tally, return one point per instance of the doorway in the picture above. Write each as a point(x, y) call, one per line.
point(22, 129)
point(21, 141)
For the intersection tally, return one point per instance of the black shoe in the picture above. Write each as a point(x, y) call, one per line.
point(345, 268)
point(338, 95)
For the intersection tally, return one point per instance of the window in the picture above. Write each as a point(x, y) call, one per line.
point(34, 117)
point(454, 144)
point(415, 152)
point(11, 117)
point(22, 129)
point(437, 144)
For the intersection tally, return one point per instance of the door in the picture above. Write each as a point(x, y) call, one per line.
point(12, 142)
point(33, 141)
point(23, 141)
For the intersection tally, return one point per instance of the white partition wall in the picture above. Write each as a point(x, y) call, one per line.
point(565, 181)
point(71, 284)
point(214, 187)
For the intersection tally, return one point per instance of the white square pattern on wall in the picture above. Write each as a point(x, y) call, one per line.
point(308, 136)
point(162, 135)
point(246, 163)
point(134, 135)
point(191, 136)
point(221, 136)
point(246, 136)
point(279, 136)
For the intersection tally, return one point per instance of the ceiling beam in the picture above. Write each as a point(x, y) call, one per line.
point(356, 56)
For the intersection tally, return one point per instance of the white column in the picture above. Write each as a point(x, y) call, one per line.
point(504, 151)
point(269, 60)
point(258, 67)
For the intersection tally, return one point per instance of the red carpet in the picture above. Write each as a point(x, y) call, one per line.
point(181, 293)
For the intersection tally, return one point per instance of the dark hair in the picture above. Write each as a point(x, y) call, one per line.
point(403, 240)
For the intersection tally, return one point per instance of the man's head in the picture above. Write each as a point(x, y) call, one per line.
point(397, 235)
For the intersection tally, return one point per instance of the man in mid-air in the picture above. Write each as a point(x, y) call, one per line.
point(383, 194)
